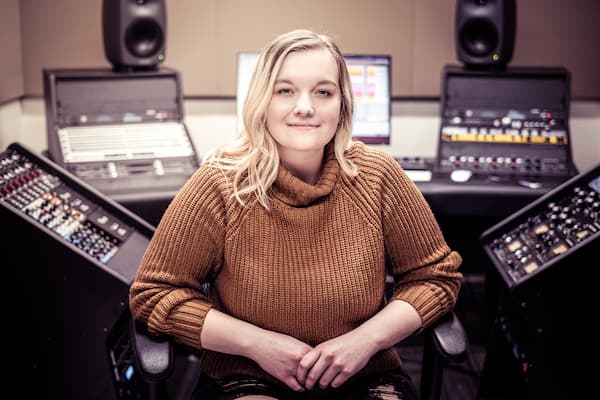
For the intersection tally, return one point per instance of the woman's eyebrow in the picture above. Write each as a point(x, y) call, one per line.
point(322, 82)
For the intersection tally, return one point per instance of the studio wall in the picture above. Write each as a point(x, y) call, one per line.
point(11, 68)
point(204, 36)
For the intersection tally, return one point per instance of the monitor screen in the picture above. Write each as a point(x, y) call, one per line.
point(246, 63)
point(371, 85)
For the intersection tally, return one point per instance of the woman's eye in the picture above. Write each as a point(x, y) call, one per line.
point(284, 91)
point(323, 92)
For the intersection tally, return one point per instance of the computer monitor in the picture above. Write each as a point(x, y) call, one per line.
point(371, 85)
point(246, 64)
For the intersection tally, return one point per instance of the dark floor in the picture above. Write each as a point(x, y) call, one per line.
point(461, 380)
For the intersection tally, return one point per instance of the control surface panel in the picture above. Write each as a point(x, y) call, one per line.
point(563, 220)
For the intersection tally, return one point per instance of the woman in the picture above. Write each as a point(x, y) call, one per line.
point(295, 227)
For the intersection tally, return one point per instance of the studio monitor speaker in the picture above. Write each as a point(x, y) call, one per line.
point(134, 33)
point(485, 32)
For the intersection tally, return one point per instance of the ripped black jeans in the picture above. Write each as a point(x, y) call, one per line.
point(390, 385)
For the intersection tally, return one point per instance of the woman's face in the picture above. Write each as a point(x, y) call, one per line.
point(304, 112)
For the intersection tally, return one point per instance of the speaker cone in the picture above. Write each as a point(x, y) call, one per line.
point(478, 37)
point(144, 38)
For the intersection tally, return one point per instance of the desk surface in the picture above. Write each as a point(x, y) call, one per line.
point(485, 195)
point(479, 197)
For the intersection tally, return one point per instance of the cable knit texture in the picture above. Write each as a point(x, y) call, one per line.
point(313, 267)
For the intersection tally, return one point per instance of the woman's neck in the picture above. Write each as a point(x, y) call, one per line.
point(304, 165)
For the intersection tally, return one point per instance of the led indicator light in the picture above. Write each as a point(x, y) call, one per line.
point(129, 372)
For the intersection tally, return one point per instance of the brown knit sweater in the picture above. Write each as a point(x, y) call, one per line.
point(313, 267)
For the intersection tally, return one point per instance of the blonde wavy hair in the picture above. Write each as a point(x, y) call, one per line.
point(253, 156)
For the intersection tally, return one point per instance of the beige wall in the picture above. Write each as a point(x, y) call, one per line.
point(204, 36)
point(11, 70)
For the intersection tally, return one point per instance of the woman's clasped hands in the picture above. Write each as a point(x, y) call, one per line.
point(303, 367)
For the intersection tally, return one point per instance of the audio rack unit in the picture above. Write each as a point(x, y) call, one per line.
point(123, 132)
point(511, 122)
point(72, 253)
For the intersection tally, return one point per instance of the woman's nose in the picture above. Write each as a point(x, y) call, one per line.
point(304, 106)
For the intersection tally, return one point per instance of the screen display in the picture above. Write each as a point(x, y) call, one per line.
point(371, 85)
point(246, 63)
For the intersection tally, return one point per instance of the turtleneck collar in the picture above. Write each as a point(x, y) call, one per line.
point(296, 192)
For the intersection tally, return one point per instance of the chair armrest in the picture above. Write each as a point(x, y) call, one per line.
point(153, 355)
point(444, 341)
point(449, 338)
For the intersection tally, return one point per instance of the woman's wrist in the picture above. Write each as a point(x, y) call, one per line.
point(226, 334)
point(250, 340)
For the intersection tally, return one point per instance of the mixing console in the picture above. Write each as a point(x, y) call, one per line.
point(471, 138)
point(557, 224)
point(45, 198)
point(510, 123)
point(78, 251)
point(544, 255)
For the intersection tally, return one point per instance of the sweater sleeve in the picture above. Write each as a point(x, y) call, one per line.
point(184, 252)
point(424, 268)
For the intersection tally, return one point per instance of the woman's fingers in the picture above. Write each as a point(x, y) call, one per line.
point(306, 364)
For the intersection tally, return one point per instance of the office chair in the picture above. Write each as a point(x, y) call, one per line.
point(444, 341)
